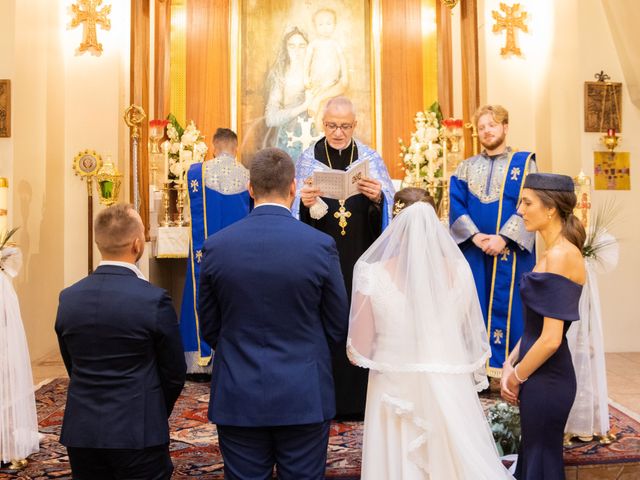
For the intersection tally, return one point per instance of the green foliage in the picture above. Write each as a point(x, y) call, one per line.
point(435, 108)
point(504, 420)
point(174, 121)
point(7, 236)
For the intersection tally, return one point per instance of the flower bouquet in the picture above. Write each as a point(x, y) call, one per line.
point(184, 147)
point(422, 159)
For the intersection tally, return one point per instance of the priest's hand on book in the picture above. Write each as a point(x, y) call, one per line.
point(370, 188)
point(309, 194)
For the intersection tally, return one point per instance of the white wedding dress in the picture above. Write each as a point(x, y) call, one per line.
point(418, 328)
point(18, 421)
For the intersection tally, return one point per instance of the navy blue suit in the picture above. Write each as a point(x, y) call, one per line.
point(272, 302)
point(120, 343)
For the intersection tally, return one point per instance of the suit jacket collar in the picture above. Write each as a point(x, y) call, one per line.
point(270, 210)
point(114, 270)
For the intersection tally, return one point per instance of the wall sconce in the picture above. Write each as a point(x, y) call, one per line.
point(108, 181)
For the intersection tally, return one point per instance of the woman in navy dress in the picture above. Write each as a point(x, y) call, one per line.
point(539, 374)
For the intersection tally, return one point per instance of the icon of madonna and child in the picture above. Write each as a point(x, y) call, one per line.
point(308, 71)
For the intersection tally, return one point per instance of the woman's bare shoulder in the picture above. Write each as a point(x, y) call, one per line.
point(566, 260)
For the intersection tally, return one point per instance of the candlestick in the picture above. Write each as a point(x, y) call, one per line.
point(165, 149)
point(444, 159)
point(166, 221)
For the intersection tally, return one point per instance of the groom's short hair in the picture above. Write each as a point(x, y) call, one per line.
point(271, 173)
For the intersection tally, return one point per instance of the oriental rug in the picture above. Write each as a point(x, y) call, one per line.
point(195, 451)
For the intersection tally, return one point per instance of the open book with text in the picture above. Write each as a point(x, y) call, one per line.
point(340, 184)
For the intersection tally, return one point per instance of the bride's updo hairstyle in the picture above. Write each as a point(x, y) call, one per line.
point(408, 196)
point(558, 191)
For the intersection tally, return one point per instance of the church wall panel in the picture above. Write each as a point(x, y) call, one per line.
point(402, 76)
point(208, 66)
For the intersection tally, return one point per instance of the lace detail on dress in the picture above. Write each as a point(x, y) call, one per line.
point(406, 409)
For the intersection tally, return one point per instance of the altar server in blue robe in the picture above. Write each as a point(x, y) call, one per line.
point(218, 197)
point(484, 195)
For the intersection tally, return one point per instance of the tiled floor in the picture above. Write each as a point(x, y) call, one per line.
point(623, 375)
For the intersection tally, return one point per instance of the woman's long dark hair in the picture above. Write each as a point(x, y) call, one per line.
point(564, 203)
point(282, 61)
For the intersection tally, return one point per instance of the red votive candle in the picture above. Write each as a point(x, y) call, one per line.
point(611, 132)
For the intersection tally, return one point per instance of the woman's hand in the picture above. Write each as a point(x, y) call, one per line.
point(509, 385)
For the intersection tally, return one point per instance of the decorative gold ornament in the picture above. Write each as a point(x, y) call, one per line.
point(450, 3)
point(87, 13)
point(397, 207)
point(510, 22)
point(133, 117)
point(86, 164)
point(342, 214)
point(108, 181)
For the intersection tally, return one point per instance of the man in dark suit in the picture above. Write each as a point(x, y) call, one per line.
point(120, 343)
point(272, 303)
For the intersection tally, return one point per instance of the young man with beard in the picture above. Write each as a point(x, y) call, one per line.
point(484, 194)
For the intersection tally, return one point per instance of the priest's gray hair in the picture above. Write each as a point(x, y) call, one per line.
point(341, 103)
point(116, 227)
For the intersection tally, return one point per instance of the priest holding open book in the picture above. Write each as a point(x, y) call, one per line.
point(326, 174)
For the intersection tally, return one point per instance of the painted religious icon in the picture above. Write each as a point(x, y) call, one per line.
point(602, 106)
point(611, 170)
point(294, 57)
point(5, 108)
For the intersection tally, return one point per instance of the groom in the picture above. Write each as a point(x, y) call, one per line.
point(272, 303)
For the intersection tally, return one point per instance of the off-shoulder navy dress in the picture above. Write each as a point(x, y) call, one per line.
point(547, 396)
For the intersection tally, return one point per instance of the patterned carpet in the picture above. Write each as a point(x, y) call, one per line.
point(196, 455)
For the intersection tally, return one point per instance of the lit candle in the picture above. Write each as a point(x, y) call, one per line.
point(611, 132)
point(4, 194)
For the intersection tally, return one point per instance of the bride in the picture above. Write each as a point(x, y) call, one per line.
point(416, 324)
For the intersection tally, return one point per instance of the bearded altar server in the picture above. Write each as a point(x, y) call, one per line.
point(484, 195)
point(353, 223)
point(218, 197)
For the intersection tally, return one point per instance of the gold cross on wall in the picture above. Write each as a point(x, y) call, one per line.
point(509, 23)
point(86, 12)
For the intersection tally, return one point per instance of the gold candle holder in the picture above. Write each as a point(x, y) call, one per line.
point(180, 188)
point(166, 221)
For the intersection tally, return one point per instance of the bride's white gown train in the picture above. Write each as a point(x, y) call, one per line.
point(417, 325)
point(422, 425)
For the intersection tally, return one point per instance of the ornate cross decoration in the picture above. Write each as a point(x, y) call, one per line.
point(497, 336)
point(505, 254)
point(509, 23)
point(305, 138)
point(86, 12)
point(342, 214)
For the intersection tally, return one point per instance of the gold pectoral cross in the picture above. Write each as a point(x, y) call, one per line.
point(342, 214)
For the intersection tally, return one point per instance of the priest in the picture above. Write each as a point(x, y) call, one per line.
point(354, 223)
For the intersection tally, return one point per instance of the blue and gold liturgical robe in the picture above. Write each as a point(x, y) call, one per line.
point(218, 197)
point(484, 196)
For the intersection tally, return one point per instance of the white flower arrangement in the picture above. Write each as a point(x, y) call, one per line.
point(184, 147)
point(423, 158)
